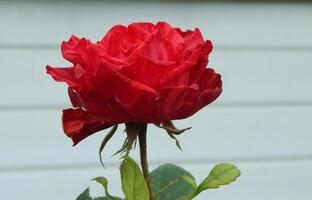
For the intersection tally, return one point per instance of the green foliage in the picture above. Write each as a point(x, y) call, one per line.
point(172, 182)
point(168, 182)
point(85, 195)
point(103, 181)
point(134, 185)
point(221, 174)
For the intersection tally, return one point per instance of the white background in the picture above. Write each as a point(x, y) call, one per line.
point(261, 122)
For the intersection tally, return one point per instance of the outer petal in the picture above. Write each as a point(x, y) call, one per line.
point(172, 99)
point(183, 33)
point(177, 76)
point(210, 88)
point(147, 72)
point(196, 72)
point(137, 33)
point(113, 41)
point(64, 75)
point(127, 90)
point(82, 52)
point(156, 49)
point(70, 47)
point(146, 109)
point(122, 87)
point(79, 124)
point(194, 39)
point(171, 35)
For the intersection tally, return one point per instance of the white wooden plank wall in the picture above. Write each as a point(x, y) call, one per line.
point(262, 122)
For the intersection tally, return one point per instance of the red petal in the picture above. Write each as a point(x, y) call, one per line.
point(174, 77)
point(184, 33)
point(69, 49)
point(81, 51)
point(194, 39)
point(63, 75)
point(75, 99)
point(127, 90)
point(173, 99)
point(138, 32)
point(155, 49)
point(79, 124)
point(171, 35)
point(112, 42)
point(147, 72)
point(196, 72)
point(210, 88)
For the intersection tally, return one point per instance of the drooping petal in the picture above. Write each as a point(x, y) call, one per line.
point(79, 124)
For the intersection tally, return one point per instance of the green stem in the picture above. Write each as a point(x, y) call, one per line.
point(143, 155)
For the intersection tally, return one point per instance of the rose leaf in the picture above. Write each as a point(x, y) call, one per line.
point(221, 174)
point(133, 183)
point(171, 182)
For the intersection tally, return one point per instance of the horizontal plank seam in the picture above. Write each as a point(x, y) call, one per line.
point(217, 47)
point(217, 105)
point(264, 159)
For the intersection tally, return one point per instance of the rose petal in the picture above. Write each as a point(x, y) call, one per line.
point(196, 72)
point(171, 35)
point(210, 88)
point(147, 72)
point(64, 75)
point(79, 124)
point(175, 77)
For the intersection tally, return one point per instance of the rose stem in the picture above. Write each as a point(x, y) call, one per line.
point(143, 155)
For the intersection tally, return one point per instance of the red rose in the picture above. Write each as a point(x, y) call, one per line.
point(142, 73)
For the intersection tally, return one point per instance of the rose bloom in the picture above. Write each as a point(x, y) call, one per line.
point(141, 73)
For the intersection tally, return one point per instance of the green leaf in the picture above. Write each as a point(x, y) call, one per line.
point(107, 198)
point(190, 180)
point(103, 181)
point(221, 174)
point(171, 182)
point(85, 195)
point(133, 183)
point(100, 198)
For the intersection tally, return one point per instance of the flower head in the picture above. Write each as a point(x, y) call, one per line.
point(141, 73)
